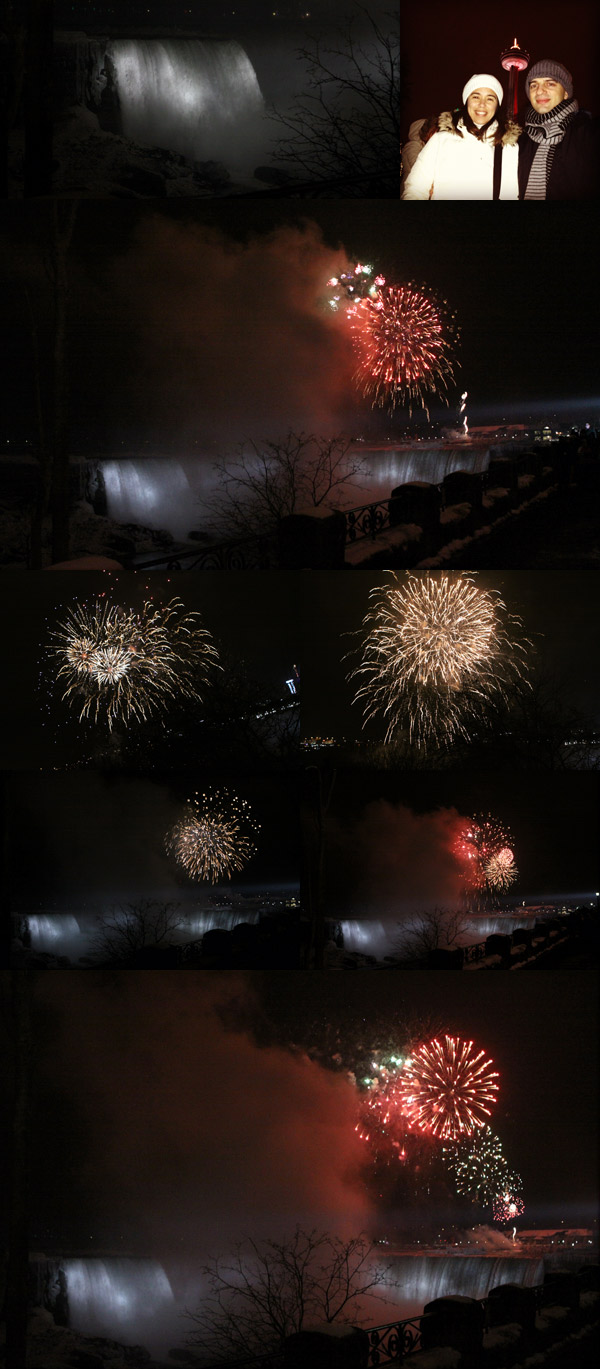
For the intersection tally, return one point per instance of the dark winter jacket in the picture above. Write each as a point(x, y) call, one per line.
point(575, 173)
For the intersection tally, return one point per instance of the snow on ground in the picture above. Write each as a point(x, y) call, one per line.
point(90, 536)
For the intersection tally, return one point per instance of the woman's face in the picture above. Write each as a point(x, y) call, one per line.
point(482, 105)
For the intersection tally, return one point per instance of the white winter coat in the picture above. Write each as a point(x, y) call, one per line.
point(454, 165)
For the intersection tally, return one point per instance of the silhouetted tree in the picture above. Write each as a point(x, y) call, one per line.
point(431, 930)
point(268, 480)
point(133, 927)
point(269, 1290)
point(346, 123)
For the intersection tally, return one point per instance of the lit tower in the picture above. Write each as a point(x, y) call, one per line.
point(514, 60)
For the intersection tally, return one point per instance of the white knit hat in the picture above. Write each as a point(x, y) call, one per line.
point(487, 83)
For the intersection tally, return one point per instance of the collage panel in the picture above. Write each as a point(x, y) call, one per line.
point(172, 870)
point(197, 1136)
point(540, 87)
point(453, 670)
point(467, 870)
point(114, 671)
point(305, 719)
point(157, 99)
point(280, 387)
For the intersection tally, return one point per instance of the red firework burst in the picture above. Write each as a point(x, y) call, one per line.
point(404, 338)
point(507, 1206)
point(485, 851)
point(447, 1089)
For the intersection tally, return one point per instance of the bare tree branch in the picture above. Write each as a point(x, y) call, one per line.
point(266, 481)
point(270, 1289)
point(346, 123)
point(135, 926)
point(432, 930)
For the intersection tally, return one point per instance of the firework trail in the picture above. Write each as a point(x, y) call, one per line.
point(438, 653)
point(446, 1089)
point(214, 839)
point(119, 664)
point(404, 339)
point(485, 850)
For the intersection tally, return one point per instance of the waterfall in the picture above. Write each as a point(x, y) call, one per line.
point(152, 491)
point(112, 1292)
point(223, 919)
point(421, 1278)
point(199, 98)
point(170, 492)
point(116, 1296)
point(398, 466)
point(369, 936)
point(58, 933)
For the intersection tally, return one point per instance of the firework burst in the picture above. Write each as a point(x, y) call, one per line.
point(214, 839)
point(438, 653)
point(404, 338)
point(447, 1089)
point(122, 664)
point(478, 1166)
point(508, 1204)
point(351, 286)
point(485, 850)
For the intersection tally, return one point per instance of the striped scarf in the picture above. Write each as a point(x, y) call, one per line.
point(547, 130)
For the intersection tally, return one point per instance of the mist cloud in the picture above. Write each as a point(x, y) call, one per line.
point(197, 1135)
point(202, 338)
point(393, 860)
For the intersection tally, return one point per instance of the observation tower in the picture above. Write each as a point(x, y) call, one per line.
point(514, 60)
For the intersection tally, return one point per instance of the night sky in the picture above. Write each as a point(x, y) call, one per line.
point(174, 1157)
point(463, 39)
point(207, 15)
point(558, 613)
point(199, 326)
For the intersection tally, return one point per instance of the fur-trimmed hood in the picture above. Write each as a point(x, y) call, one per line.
point(510, 136)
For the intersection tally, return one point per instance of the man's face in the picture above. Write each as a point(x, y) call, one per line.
point(545, 93)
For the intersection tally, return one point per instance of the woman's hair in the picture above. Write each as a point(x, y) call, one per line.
point(480, 133)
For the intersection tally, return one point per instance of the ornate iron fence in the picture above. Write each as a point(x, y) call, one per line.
point(247, 553)
point(471, 954)
point(367, 521)
point(392, 1342)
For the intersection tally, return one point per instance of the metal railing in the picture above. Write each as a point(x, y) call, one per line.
point(241, 553)
point(394, 1341)
point(471, 954)
point(368, 520)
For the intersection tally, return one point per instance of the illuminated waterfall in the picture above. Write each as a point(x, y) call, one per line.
point(199, 98)
point(168, 492)
point(158, 493)
point(58, 933)
point(111, 1293)
point(421, 1278)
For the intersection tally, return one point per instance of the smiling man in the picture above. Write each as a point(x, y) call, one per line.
point(558, 151)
